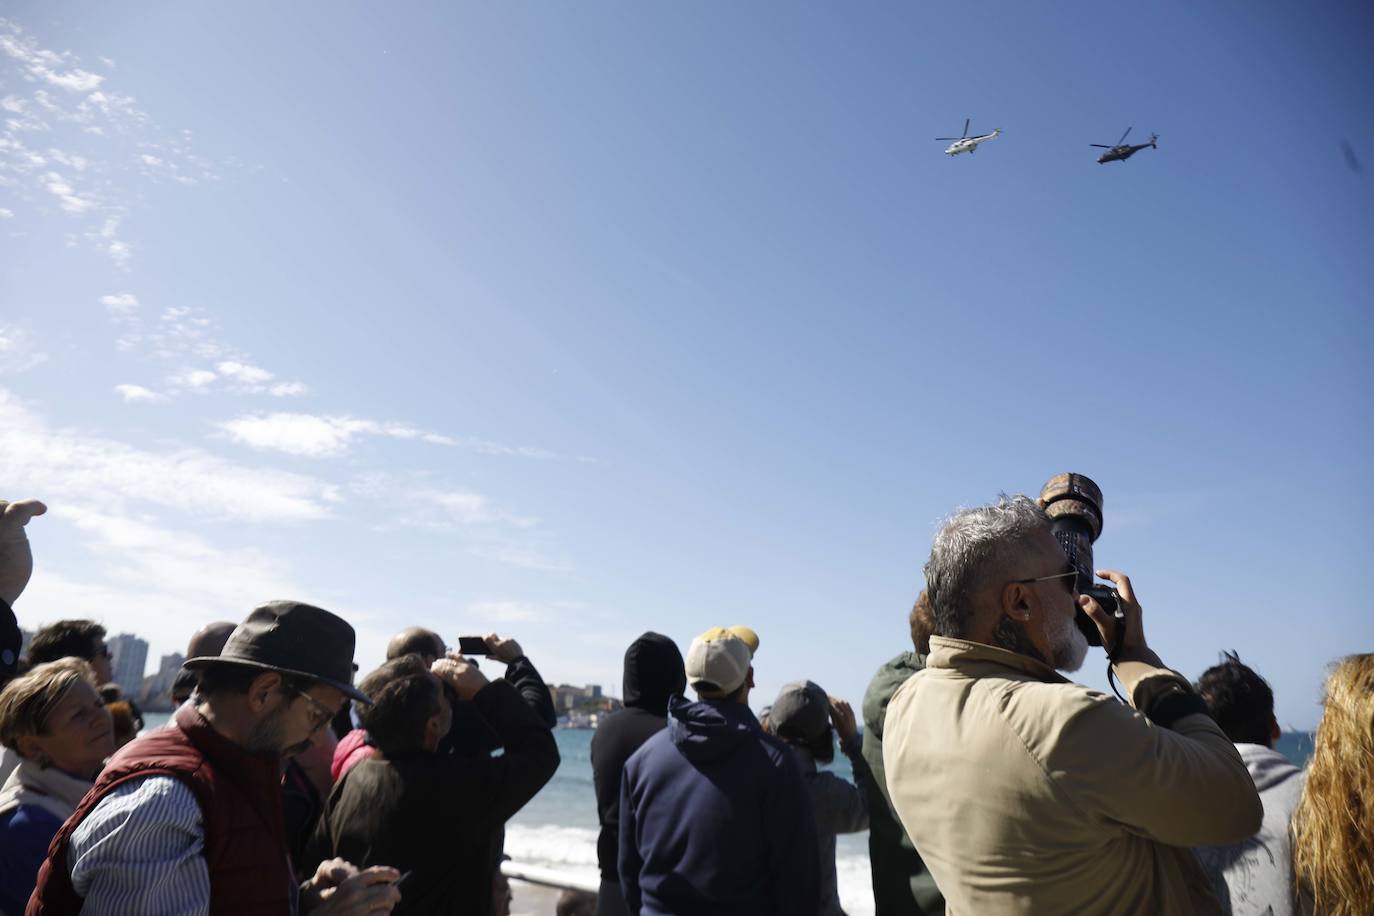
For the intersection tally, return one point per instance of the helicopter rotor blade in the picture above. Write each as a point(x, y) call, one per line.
point(942, 139)
point(966, 122)
point(1100, 145)
point(1123, 137)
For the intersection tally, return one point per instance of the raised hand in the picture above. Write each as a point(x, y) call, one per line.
point(16, 558)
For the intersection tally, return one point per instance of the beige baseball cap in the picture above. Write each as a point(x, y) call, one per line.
point(743, 633)
point(717, 663)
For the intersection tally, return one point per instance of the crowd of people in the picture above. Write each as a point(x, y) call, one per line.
point(988, 781)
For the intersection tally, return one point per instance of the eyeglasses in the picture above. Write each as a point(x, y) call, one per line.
point(319, 713)
point(1070, 574)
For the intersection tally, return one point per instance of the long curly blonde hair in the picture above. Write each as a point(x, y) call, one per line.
point(1333, 826)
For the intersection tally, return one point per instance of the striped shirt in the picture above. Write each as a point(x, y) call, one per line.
point(140, 850)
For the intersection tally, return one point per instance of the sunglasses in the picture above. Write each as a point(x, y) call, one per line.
point(1070, 576)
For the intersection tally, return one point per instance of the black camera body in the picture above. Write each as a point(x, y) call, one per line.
point(1074, 504)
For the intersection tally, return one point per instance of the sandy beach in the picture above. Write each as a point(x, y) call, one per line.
point(532, 899)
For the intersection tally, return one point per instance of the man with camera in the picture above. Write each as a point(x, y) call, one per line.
point(1027, 793)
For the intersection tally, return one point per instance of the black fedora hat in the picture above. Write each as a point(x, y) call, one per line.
point(292, 638)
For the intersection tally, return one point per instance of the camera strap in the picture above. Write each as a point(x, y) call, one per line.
point(1114, 652)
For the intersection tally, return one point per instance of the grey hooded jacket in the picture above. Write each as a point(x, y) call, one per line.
point(1255, 876)
point(840, 806)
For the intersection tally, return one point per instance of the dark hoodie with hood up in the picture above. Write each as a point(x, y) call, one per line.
point(653, 673)
point(715, 820)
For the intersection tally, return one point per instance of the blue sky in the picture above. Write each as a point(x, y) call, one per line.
point(572, 321)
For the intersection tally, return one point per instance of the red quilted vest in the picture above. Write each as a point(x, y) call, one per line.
point(240, 804)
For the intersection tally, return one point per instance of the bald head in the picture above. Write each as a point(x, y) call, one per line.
point(209, 640)
point(418, 640)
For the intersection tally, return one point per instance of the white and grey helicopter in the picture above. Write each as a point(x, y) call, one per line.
point(967, 144)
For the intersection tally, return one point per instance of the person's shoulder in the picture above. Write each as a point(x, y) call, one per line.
point(780, 753)
point(631, 719)
point(656, 744)
point(1058, 701)
point(1053, 718)
point(885, 683)
point(149, 802)
point(25, 820)
point(150, 795)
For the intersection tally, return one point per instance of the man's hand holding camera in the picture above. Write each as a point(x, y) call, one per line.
point(503, 650)
point(1136, 658)
point(460, 674)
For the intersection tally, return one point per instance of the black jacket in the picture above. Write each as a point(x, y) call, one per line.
point(433, 817)
point(653, 673)
point(471, 735)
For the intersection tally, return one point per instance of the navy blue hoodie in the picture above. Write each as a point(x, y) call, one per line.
point(715, 819)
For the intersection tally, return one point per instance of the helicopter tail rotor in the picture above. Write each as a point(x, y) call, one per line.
point(1153, 139)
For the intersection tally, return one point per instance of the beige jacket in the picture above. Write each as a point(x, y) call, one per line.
point(1026, 793)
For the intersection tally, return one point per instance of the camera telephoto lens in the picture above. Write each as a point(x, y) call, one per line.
point(1074, 504)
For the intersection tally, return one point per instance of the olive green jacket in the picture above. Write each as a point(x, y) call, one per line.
point(902, 886)
point(1029, 794)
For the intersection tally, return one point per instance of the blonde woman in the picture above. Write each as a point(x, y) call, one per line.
point(57, 723)
point(1333, 826)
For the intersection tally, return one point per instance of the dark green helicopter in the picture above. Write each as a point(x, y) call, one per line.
point(1123, 150)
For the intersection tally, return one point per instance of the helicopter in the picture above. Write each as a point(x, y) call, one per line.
point(967, 144)
point(1123, 150)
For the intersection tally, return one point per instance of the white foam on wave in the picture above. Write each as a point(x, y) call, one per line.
point(572, 850)
point(567, 849)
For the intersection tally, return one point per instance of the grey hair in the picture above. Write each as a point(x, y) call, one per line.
point(972, 546)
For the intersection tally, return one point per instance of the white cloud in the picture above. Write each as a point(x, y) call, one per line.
point(96, 141)
point(107, 240)
point(190, 335)
point(487, 447)
point(121, 306)
point(71, 201)
point(18, 352)
point(519, 556)
point(479, 612)
point(193, 378)
point(139, 576)
point(77, 80)
point(42, 64)
point(70, 160)
point(182, 332)
point(415, 501)
point(6, 213)
point(315, 436)
point(72, 467)
point(296, 434)
point(132, 393)
point(243, 372)
point(150, 555)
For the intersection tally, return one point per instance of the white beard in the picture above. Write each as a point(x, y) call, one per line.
point(1069, 647)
